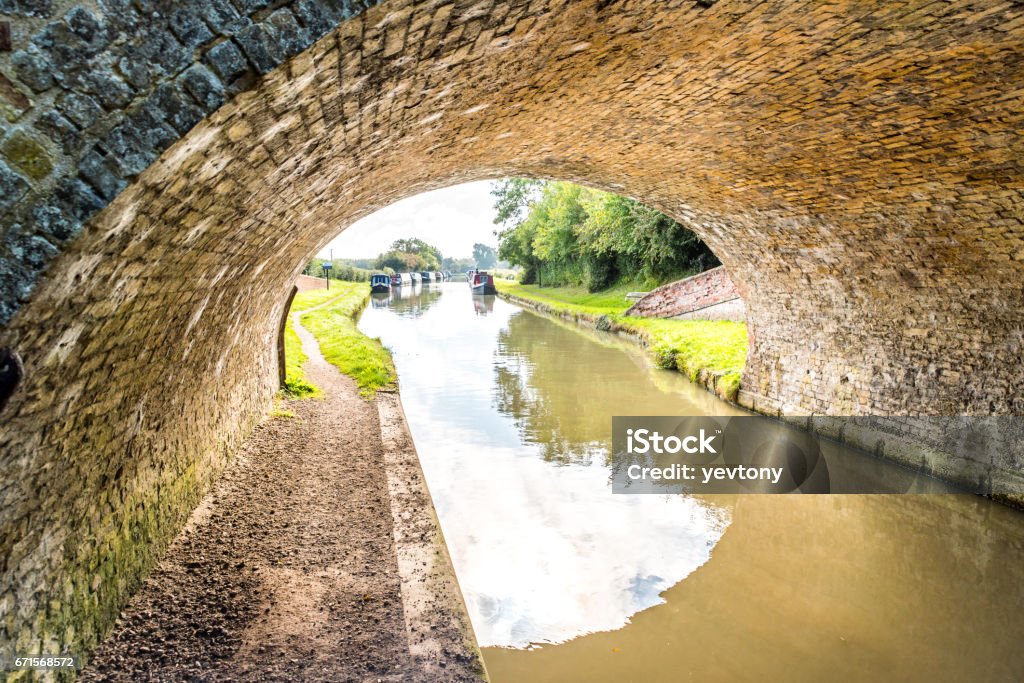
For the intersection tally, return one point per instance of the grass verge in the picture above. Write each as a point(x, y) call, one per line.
point(334, 325)
point(709, 352)
point(295, 383)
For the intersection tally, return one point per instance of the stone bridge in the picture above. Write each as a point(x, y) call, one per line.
point(168, 167)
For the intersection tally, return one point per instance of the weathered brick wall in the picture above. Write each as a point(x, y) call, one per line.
point(856, 166)
point(308, 282)
point(710, 295)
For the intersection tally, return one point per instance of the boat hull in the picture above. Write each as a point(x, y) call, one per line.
point(484, 288)
point(380, 289)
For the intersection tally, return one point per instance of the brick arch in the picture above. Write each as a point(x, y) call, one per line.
point(856, 169)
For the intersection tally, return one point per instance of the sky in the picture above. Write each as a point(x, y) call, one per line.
point(452, 219)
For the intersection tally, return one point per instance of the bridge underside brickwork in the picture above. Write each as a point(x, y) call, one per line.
point(856, 166)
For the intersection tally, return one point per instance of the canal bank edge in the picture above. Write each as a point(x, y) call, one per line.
point(883, 444)
point(437, 621)
point(710, 380)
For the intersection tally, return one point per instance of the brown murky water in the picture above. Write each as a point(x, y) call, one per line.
point(565, 581)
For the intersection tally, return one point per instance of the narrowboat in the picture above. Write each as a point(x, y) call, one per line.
point(483, 283)
point(469, 276)
point(401, 280)
point(427, 276)
point(415, 277)
point(380, 283)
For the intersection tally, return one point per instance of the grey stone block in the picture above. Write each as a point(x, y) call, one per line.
point(53, 222)
point(167, 54)
point(99, 172)
point(204, 86)
point(109, 88)
point(27, 8)
point(250, 6)
point(190, 28)
point(60, 130)
point(34, 68)
point(128, 145)
point(176, 107)
point(12, 186)
point(82, 110)
point(150, 130)
point(77, 200)
point(316, 17)
point(135, 71)
point(88, 27)
point(286, 34)
point(31, 250)
point(227, 60)
point(119, 15)
point(15, 285)
point(256, 44)
point(220, 16)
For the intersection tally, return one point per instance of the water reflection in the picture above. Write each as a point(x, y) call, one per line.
point(543, 553)
point(483, 303)
point(511, 416)
point(409, 300)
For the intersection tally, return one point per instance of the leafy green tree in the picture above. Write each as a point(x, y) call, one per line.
point(512, 199)
point(484, 256)
point(410, 255)
point(562, 233)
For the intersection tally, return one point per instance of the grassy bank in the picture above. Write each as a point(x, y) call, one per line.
point(342, 344)
point(295, 384)
point(709, 352)
point(334, 325)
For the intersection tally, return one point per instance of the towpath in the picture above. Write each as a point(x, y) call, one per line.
point(290, 567)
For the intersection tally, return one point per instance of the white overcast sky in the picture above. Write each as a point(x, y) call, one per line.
point(452, 219)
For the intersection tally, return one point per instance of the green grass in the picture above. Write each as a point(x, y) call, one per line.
point(295, 383)
point(315, 297)
point(344, 346)
point(693, 346)
point(697, 348)
point(608, 302)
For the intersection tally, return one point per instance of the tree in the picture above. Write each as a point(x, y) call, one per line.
point(410, 255)
point(512, 199)
point(412, 245)
point(562, 233)
point(484, 256)
point(457, 265)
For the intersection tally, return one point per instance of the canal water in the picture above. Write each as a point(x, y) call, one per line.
point(566, 581)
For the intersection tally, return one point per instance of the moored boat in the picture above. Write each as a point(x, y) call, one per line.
point(380, 283)
point(401, 280)
point(427, 276)
point(483, 283)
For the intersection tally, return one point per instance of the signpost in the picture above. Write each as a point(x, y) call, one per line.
point(327, 265)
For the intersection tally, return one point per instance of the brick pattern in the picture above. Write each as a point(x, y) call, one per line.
point(856, 167)
point(92, 94)
point(308, 282)
point(710, 295)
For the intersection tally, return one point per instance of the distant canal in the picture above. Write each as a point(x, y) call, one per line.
point(564, 581)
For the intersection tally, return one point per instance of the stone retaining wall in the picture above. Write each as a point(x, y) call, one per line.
point(710, 295)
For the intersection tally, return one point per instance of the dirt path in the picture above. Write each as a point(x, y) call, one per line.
point(288, 569)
